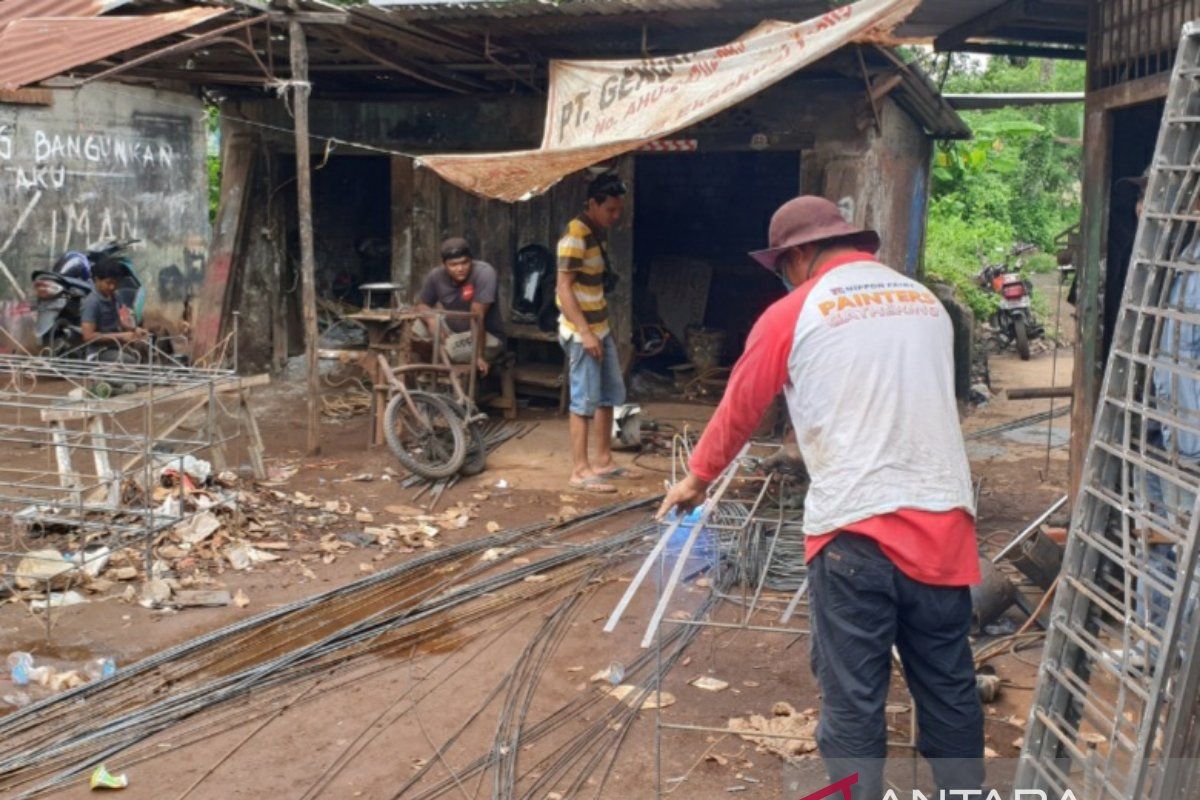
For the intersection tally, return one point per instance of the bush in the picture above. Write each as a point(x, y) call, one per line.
point(1041, 264)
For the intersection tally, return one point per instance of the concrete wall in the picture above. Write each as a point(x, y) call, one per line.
point(104, 162)
point(880, 179)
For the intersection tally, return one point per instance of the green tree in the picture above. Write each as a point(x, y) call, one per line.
point(1016, 181)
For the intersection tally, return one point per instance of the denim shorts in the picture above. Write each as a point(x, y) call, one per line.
point(594, 383)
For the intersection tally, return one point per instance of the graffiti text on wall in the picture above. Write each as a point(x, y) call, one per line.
point(44, 160)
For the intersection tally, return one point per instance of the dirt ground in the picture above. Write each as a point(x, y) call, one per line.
point(303, 749)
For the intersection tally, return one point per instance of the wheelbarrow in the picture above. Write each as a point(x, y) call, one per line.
point(433, 430)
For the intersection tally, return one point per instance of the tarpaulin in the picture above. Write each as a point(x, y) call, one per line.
point(596, 110)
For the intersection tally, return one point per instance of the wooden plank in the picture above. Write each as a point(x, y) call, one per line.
point(62, 457)
point(255, 443)
point(1038, 392)
point(1089, 309)
point(214, 301)
point(300, 92)
point(118, 405)
point(100, 458)
point(426, 223)
point(1130, 93)
point(27, 97)
point(402, 222)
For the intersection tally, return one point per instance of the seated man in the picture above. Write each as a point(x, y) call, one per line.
point(107, 324)
point(463, 284)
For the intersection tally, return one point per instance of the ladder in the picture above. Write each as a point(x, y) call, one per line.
point(1115, 710)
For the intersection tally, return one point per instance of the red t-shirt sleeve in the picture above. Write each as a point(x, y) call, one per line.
point(759, 375)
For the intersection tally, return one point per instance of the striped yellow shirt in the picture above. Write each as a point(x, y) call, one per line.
point(579, 253)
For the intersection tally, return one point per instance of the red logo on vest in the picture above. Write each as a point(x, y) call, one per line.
point(468, 292)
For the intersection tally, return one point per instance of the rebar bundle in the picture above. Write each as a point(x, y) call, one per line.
point(48, 743)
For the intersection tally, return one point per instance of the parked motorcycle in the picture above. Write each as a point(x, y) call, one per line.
point(1013, 321)
point(61, 289)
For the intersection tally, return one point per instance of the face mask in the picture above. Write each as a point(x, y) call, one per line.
point(784, 279)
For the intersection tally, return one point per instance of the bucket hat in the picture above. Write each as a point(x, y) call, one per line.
point(806, 219)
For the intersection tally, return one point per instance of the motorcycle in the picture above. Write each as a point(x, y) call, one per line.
point(1013, 321)
point(60, 290)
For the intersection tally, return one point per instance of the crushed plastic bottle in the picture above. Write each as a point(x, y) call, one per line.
point(20, 664)
point(616, 673)
point(100, 668)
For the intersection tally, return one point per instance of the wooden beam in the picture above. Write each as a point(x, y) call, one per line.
point(175, 49)
point(300, 91)
point(1019, 49)
point(1038, 392)
point(424, 73)
point(402, 220)
point(311, 17)
point(27, 97)
point(214, 298)
point(1129, 93)
point(1089, 308)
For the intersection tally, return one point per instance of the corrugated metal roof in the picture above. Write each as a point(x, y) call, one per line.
point(24, 9)
point(34, 49)
point(930, 19)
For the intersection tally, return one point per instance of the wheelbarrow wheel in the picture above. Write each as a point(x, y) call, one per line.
point(476, 458)
point(430, 442)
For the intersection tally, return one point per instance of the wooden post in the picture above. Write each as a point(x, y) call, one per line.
point(300, 93)
point(1089, 309)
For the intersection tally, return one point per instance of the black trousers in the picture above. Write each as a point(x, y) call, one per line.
point(861, 605)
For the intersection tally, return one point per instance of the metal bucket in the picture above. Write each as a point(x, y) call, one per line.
point(992, 596)
point(1039, 559)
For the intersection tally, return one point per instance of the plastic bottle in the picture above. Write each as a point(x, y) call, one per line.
point(99, 668)
point(20, 664)
point(616, 673)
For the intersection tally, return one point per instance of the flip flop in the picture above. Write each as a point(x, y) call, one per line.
point(594, 484)
point(617, 472)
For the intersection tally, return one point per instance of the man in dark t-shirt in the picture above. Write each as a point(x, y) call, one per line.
point(463, 284)
point(107, 324)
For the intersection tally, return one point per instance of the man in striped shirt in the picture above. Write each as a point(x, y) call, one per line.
point(583, 329)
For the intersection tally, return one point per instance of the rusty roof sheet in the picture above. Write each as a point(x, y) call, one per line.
point(23, 9)
point(33, 49)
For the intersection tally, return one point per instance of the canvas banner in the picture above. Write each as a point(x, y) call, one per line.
point(596, 110)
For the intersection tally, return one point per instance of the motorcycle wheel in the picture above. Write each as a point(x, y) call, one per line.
point(1021, 337)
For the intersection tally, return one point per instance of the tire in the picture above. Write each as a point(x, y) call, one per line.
point(1021, 337)
point(476, 459)
point(430, 443)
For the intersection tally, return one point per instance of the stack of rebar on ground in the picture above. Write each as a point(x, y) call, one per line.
point(55, 740)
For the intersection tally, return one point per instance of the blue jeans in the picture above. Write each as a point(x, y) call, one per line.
point(594, 383)
point(861, 605)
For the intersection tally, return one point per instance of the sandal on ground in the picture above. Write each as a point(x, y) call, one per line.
point(595, 484)
point(617, 472)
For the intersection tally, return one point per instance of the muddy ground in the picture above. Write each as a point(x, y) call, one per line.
point(303, 749)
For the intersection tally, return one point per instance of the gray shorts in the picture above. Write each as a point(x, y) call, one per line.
point(594, 382)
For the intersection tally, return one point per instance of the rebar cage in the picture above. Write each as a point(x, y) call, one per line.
point(1115, 710)
point(84, 445)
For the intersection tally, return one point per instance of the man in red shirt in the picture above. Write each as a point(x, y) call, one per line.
point(864, 356)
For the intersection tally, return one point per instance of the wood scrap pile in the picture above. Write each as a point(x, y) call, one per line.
point(785, 721)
